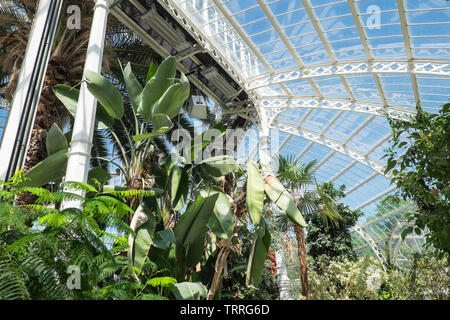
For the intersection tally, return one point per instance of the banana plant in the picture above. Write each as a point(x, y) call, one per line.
point(153, 106)
point(257, 190)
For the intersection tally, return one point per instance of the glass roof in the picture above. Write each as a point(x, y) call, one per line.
point(325, 73)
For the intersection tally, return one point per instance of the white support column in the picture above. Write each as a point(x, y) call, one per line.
point(83, 129)
point(264, 141)
point(284, 283)
point(22, 114)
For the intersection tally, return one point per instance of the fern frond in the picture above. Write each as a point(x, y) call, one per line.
point(48, 281)
point(57, 197)
point(11, 217)
point(79, 186)
point(127, 194)
point(12, 280)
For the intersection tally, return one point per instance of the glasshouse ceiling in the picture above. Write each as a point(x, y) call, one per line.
point(322, 73)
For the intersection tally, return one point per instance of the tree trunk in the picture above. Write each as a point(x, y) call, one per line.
point(300, 235)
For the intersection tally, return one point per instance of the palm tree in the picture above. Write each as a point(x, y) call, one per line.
point(65, 64)
point(299, 179)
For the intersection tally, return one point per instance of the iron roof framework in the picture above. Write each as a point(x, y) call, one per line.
point(322, 75)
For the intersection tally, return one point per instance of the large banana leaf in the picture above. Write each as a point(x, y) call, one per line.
point(255, 192)
point(133, 86)
point(143, 241)
point(151, 72)
point(220, 165)
point(156, 86)
point(55, 140)
point(221, 221)
point(283, 200)
point(260, 247)
point(190, 233)
point(179, 187)
point(52, 168)
point(69, 97)
point(106, 94)
point(189, 291)
point(164, 238)
point(172, 100)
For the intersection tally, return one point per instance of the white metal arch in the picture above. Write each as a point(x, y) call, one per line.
point(278, 105)
point(362, 67)
point(372, 244)
point(316, 138)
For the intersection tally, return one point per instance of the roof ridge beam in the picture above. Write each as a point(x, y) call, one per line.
point(342, 68)
point(277, 106)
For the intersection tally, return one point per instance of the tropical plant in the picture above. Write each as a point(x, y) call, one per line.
point(234, 283)
point(35, 260)
point(419, 162)
point(298, 178)
point(332, 240)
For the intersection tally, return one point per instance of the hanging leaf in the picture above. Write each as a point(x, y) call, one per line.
point(255, 267)
point(179, 187)
point(165, 282)
point(55, 140)
point(143, 241)
point(189, 291)
point(68, 96)
point(190, 233)
point(219, 166)
point(164, 238)
point(255, 192)
point(161, 124)
point(53, 220)
point(283, 200)
point(106, 94)
point(52, 168)
point(221, 221)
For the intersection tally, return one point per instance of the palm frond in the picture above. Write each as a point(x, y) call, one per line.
point(328, 210)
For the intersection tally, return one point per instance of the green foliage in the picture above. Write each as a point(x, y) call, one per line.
point(234, 284)
point(190, 233)
point(427, 279)
point(419, 162)
point(332, 240)
point(283, 200)
point(143, 242)
point(258, 253)
point(345, 280)
point(189, 291)
point(106, 94)
point(255, 192)
point(221, 221)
